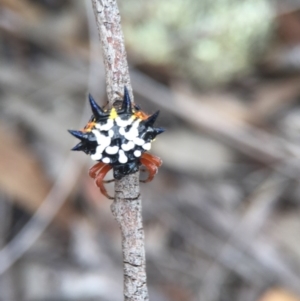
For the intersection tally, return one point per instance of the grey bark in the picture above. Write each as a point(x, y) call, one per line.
point(127, 205)
point(112, 41)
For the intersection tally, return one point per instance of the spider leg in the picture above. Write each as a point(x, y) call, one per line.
point(156, 160)
point(108, 181)
point(99, 180)
point(95, 169)
point(151, 167)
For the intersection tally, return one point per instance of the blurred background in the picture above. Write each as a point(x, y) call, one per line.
point(222, 215)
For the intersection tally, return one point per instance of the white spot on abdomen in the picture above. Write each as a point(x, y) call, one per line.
point(124, 123)
point(107, 126)
point(122, 157)
point(136, 123)
point(131, 134)
point(103, 142)
point(112, 149)
point(133, 131)
point(101, 139)
point(137, 153)
point(122, 131)
point(98, 154)
point(147, 146)
point(106, 160)
point(139, 141)
point(128, 146)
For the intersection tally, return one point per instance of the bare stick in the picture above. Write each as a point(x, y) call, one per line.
point(127, 206)
point(112, 42)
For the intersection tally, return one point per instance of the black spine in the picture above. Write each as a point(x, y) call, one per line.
point(126, 106)
point(159, 131)
point(151, 119)
point(78, 147)
point(96, 109)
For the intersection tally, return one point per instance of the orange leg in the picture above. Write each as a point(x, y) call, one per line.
point(155, 160)
point(99, 180)
point(95, 169)
point(151, 167)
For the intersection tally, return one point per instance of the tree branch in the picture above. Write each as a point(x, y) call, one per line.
point(127, 206)
point(114, 53)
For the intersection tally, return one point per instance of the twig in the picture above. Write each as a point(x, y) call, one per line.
point(127, 206)
point(114, 53)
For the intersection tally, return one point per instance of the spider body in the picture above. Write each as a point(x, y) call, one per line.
point(119, 139)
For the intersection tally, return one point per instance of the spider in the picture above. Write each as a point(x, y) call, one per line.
point(119, 139)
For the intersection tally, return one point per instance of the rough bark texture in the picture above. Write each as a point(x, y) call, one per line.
point(114, 53)
point(127, 206)
point(127, 211)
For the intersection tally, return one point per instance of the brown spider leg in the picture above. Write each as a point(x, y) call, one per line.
point(156, 160)
point(99, 180)
point(95, 169)
point(151, 167)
